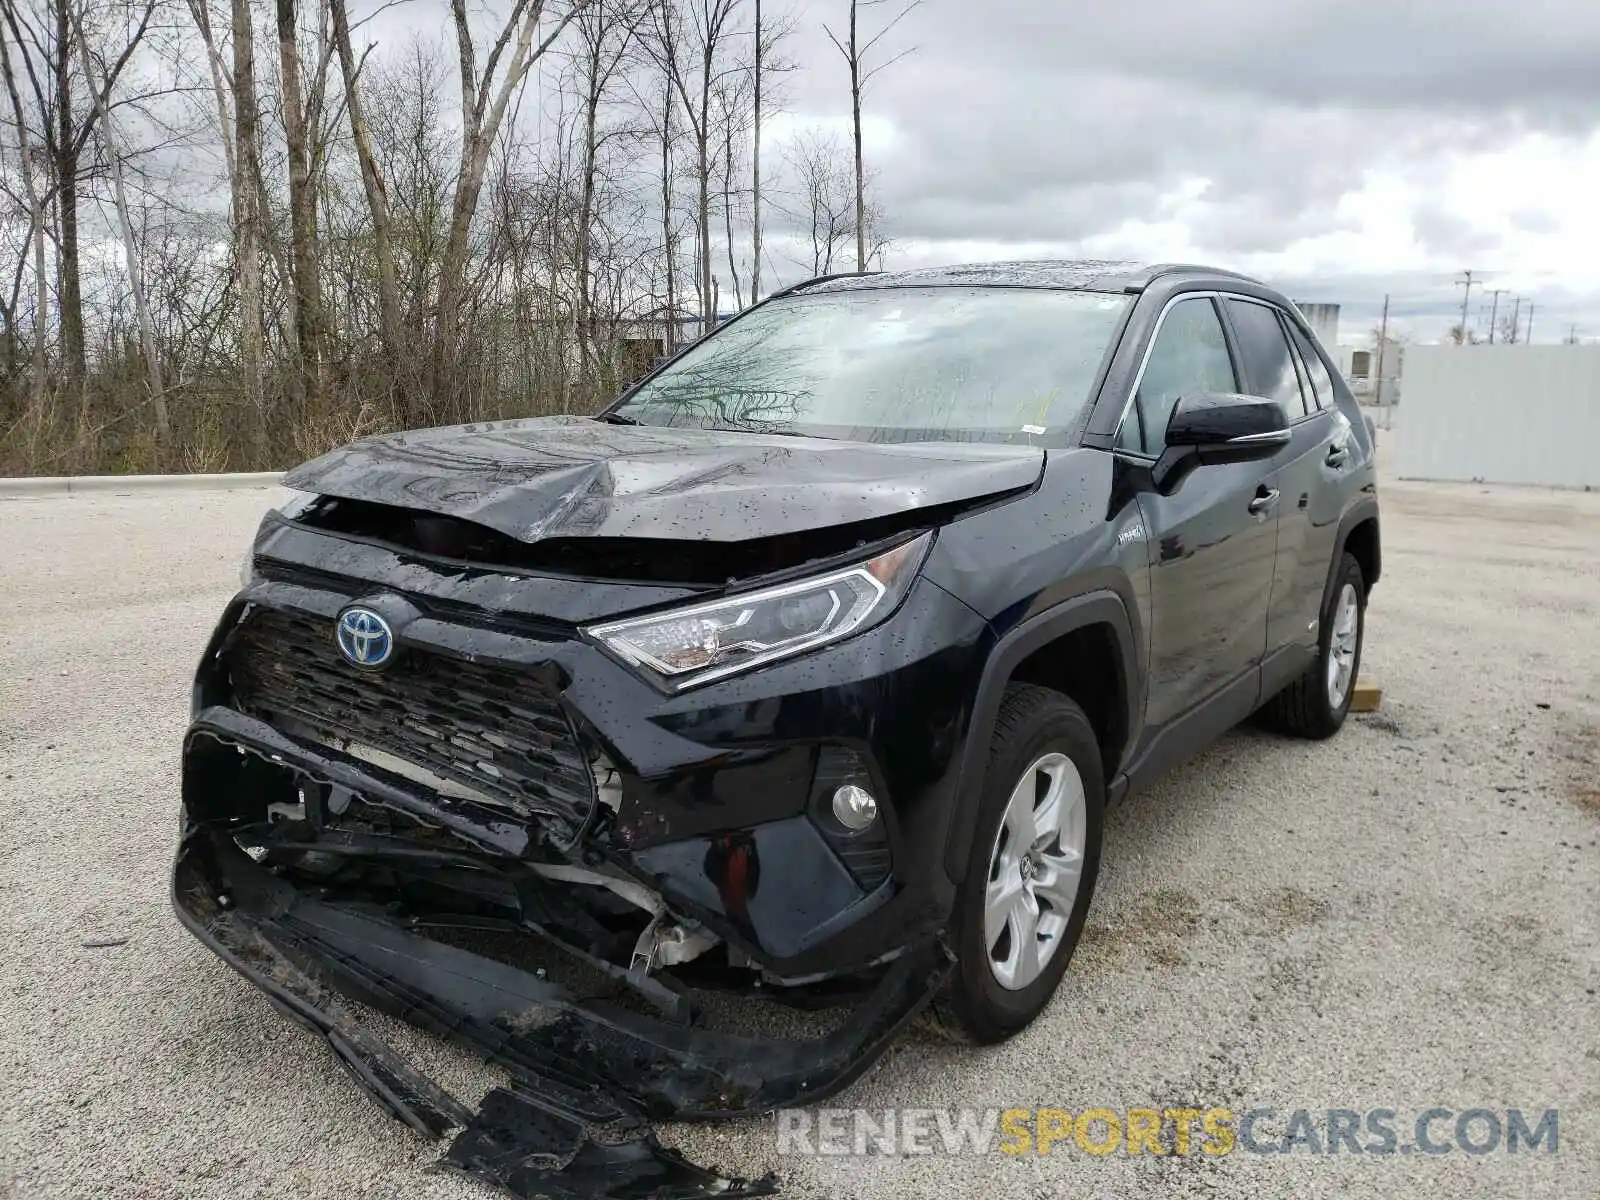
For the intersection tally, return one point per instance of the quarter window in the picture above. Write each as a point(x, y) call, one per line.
point(1190, 355)
point(1264, 356)
point(1316, 370)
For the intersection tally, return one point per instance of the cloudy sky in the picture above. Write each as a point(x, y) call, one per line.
point(1341, 148)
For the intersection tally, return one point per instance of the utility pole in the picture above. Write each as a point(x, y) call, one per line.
point(1465, 282)
point(1383, 342)
point(1516, 314)
point(1572, 335)
point(1528, 341)
point(1494, 309)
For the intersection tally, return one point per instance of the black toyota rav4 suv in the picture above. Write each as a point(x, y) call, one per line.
point(806, 670)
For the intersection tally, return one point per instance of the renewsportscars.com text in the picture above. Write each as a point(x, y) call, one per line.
point(1100, 1131)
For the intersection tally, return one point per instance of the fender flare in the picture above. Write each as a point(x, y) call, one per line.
point(1101, 607)
point(1364, 509)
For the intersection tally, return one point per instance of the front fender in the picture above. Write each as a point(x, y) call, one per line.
point(1091, 608)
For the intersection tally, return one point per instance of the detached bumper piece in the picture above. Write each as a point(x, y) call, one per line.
point(586, 1077)
point(531, 1145)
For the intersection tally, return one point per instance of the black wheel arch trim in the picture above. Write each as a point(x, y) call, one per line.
point(1101, 607)
point(1365, 509)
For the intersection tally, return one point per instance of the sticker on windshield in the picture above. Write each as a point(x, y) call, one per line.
point(1036, 430)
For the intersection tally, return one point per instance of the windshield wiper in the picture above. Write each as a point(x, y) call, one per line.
point(794, 433)
point(616, 419)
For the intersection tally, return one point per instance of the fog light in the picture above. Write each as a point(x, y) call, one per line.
point(854, 807)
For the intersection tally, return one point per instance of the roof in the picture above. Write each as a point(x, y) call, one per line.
point(1085, 275)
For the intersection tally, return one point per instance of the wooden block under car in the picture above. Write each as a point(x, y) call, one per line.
point(1366, 697)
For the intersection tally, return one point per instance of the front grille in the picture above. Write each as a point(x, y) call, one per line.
point(500, 733)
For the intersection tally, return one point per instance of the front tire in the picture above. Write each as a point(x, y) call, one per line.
point(1031, 868)
point(1315, 705)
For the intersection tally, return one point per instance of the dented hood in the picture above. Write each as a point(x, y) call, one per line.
point(577, 477)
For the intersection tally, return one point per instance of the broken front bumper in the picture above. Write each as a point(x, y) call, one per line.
point(585, 1075)
point(524, 738)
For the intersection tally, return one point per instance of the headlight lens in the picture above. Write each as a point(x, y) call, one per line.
point(694, 645)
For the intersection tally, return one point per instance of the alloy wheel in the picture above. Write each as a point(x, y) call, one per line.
point(1034, 871)
point(1342, 645)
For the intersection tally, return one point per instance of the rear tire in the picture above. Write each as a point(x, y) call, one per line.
point(1038, 830)
point(1313, 706)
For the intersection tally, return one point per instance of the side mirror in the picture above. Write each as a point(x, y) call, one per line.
point(1207, 428)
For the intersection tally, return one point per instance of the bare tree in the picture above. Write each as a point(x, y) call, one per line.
point(485, 96)
point(692, 55)
point(379, 208)
point(372, 183)
point(237, 128)
point(755, 160)
point(100, 91)
point(855, 51)
point(36, 223)
point(249, 215)
point(764, 63)
point(303, 248)
point(732, 97)
point(46, 40)
point(825, 204)
point(663, 48)
point(669, 233)
point(606, 34)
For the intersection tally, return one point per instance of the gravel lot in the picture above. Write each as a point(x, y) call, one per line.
point(1406, 916)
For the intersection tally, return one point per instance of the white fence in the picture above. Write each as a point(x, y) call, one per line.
point(1503, 414)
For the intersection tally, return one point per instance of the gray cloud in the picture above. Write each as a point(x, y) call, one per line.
point(1033, 121)
point(1419, 55)
point(1442, 231)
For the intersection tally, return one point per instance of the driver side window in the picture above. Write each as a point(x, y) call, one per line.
point(1190, 355)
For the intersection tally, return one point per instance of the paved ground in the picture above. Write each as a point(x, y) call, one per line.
point(1405, 917)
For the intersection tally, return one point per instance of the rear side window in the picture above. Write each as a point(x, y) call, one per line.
point(1190, 355)
point(1316, 369)
point(1264, 357)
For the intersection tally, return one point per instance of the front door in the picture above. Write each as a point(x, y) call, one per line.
point(1212, 541)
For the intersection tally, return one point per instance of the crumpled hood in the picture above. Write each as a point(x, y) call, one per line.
point(576, 477)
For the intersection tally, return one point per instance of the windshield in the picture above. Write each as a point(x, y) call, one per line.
point(893, 365)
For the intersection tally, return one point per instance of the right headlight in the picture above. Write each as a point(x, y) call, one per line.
point(688, 646)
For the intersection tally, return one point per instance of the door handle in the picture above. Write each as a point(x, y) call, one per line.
point(1338, 456)
point(1266, 499)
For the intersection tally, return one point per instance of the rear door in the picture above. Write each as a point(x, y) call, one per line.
point(1274, 365)
point(1211, 541)
point(1329, 467)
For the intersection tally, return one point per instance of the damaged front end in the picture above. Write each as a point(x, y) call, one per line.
point(317, 881)
point(507, 839)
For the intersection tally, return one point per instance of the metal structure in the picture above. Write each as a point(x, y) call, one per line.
point(1502, 414)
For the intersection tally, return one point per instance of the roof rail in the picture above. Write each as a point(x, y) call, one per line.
point(812, 282)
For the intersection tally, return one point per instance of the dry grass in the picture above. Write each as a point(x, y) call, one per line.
point(1578, 750)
